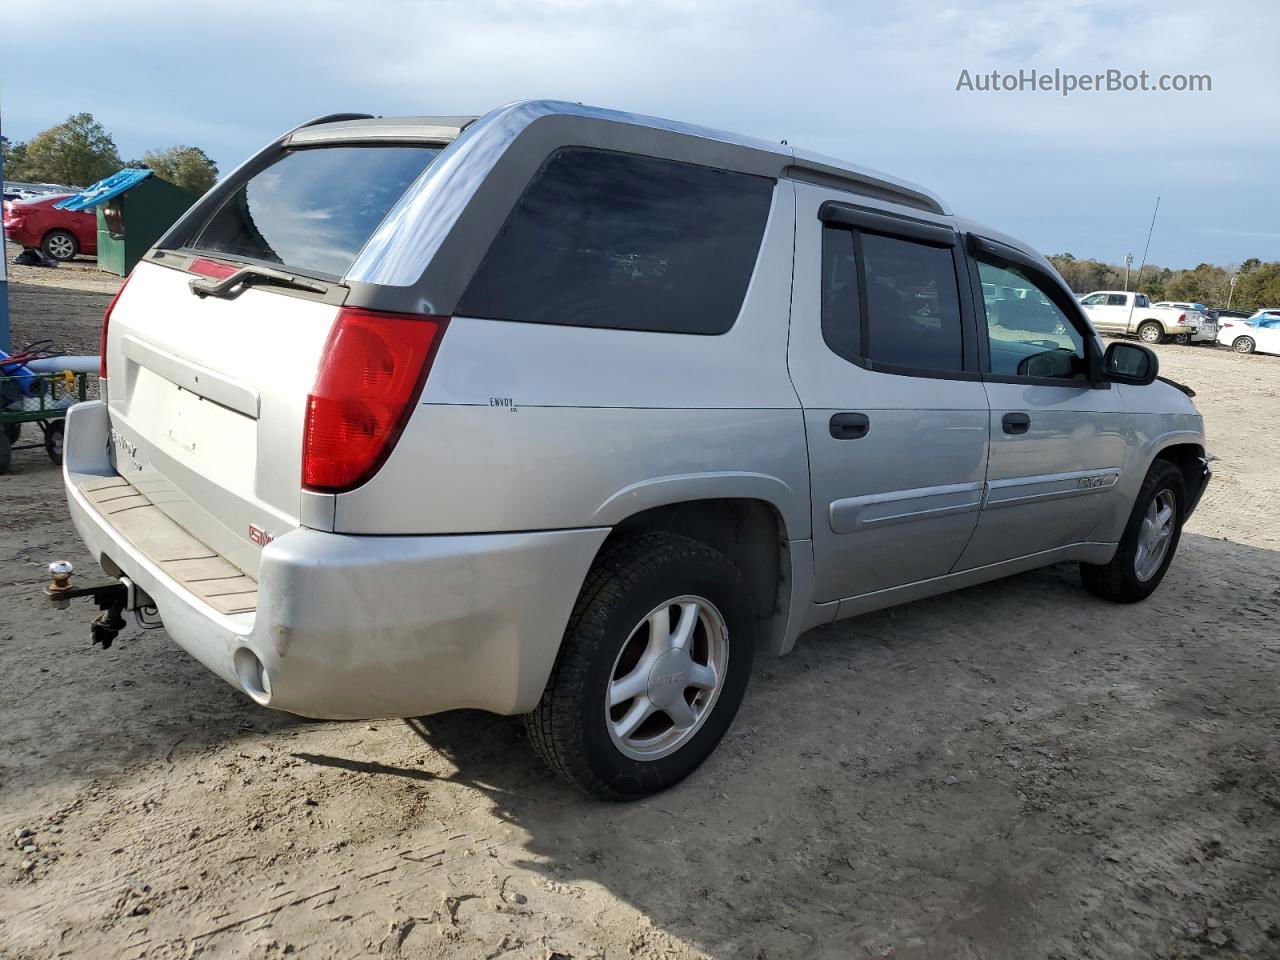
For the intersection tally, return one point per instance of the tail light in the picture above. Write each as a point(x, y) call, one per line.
point(1182, 318)
point(102, 337)
point(370, 378)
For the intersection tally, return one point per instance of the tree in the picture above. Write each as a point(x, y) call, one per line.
point(1259, 287)
point(78, 152)
point(1207, 284)
point(15, 159)
point(186, 167)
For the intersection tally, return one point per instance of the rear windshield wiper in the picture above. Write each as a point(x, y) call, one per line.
point(249, 275)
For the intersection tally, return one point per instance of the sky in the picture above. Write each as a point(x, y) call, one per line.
point(873, 83)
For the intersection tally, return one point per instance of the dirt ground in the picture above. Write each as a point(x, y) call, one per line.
point(1017, 770)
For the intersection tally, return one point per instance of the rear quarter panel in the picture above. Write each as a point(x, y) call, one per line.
point(527, 426)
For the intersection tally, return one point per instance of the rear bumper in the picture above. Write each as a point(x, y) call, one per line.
point(21, 236)
point(358, 626)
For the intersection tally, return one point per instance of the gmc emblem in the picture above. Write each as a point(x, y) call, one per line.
point(259, 536)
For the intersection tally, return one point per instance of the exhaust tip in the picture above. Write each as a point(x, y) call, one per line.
point(253, 676)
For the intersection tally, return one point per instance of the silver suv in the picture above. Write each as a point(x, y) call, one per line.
point(568, 413)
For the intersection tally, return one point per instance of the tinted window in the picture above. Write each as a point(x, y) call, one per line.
point(1115, 300)
point(1141, 301)
point(1028, 334)
point(1092, 300)
point(313, 210)
point(841, 312)
point(615, 240)
point(912, 304)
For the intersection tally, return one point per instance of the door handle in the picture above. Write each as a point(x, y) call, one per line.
point(850, 426)
point(1016, 423)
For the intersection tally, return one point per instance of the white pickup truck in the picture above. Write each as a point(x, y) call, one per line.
point(1120, 313)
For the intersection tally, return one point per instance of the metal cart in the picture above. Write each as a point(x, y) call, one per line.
point(38, 398)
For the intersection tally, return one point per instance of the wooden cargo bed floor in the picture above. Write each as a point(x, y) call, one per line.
point(213, 579)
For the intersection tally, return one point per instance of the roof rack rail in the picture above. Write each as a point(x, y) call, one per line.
point(866, 184)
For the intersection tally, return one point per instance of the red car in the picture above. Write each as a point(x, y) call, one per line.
point(59, 234)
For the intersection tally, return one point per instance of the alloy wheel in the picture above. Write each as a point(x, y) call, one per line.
point(1155, 534)
point(61, 247)
point(666, 678)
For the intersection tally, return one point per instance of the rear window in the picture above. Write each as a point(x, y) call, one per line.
point(312, 210)
point(603, 239)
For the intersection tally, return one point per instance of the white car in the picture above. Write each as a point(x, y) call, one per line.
point(1259, 334)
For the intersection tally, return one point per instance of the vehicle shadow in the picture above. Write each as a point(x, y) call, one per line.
point(1011, 770)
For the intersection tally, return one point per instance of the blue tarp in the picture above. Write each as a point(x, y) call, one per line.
point(103, 190)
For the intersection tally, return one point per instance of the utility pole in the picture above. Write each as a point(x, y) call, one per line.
point(4, 286)
point(1231, 292)
point(1128, 262)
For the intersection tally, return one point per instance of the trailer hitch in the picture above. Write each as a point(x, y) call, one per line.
point(110, 598)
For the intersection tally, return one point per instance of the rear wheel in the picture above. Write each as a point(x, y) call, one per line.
point(12, 432)
point(1243, 344)
point(1182, 339)
point(60, 245)
point(53, 434)
point(1149, 542)
point(6, 455)
point(652, 669)
point(1150, 332)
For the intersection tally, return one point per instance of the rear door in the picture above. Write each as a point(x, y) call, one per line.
point(1057, 442)
point(207, 394)
point(882, 355)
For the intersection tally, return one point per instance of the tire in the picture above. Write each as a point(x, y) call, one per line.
point(12, 432)
point(1124, 579)
point(1182, 339)
point(1150, 332)
point(1243, 345)
point(53, 441)
point(609, 638)
point(6, 455)
point(60, 245)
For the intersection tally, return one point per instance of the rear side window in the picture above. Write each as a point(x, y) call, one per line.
point(902, 311)
point(626, 242)
point(312, 210)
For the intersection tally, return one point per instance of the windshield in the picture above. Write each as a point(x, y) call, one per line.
point(312, 210)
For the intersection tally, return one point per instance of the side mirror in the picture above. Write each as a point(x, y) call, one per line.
point(1129, 363)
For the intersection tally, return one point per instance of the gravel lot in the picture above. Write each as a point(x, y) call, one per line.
point(1017, 770)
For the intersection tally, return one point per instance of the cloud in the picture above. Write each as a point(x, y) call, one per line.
point(871, 82)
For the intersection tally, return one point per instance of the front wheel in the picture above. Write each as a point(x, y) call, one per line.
point(1150, 332)
point(1243, 345)
point(651, 671)
point(1149, 542)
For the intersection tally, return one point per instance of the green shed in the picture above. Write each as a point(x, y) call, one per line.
point(135, 208)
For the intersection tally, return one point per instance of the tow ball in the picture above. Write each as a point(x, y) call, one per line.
point(111, 598)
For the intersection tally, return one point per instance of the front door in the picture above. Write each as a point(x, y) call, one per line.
point(1057, 441)
point(882, 353)
point(1108, 312)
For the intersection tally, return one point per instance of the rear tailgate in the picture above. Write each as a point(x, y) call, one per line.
point(207, 399)
point(207, 395)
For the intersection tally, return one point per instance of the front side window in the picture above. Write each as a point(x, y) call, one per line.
point(1028, 334)
point(1096, 299)
point(625, 242)
point(906, 311)
point(312, 210)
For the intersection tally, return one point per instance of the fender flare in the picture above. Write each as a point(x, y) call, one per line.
point(791, 505)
